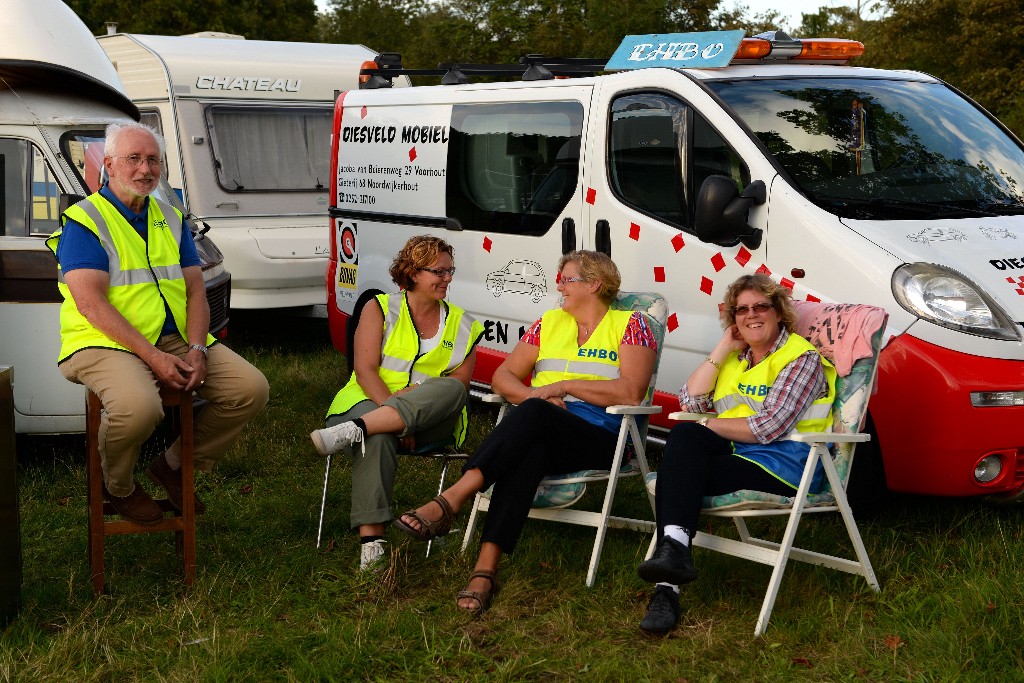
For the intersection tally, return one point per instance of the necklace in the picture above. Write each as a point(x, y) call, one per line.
point(584, 330)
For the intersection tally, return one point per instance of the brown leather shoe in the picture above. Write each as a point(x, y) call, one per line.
point(161, 474)
point(136, 507)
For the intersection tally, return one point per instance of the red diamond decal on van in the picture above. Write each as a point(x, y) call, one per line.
point(1017, 283)
point(487, 244)
point(789, 284)
point(813, 299)
point(742, 256)
point(634, 232)
point(591, 195)
point(718, 262)
point(659, 273)
point(764, 270)
point(678, 243)
point(706, 285)
point(672, 322)
point(362, 112)
point(412, 155)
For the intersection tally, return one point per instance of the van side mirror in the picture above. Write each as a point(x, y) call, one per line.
point(65, 201)
point(721, 215)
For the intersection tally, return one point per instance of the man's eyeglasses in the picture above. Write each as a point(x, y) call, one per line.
point(136, 160)
point(567, 280)
point(762, 307)
point(441, 272)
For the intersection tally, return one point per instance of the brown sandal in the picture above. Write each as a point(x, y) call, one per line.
point(483, 598)
point(429, 528)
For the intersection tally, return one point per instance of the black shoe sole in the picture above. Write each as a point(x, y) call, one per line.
point(652, 572)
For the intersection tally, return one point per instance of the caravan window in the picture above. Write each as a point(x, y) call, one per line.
point(260, 149)
point(28, 195)
point(514, 166)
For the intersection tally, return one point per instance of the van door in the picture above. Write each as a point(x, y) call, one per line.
point(501, 168)
point(656, 136)
point(517, 189)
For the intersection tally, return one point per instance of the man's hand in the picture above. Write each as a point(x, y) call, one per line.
point(170, 370)
point(197, 359)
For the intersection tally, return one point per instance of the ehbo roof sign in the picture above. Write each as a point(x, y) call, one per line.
point(707, 49)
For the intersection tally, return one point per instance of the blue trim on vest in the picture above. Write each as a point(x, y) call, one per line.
point(784, 459)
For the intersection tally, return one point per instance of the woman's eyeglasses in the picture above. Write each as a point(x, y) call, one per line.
point(567, 280)
point(762, 307)
point(441, 272)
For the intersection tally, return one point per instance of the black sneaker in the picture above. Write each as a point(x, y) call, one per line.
point(662, 611)
point(671, 563)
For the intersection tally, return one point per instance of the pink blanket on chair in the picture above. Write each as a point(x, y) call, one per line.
point(826, 326)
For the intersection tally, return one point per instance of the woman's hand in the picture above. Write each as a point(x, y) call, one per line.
point(552, 393)
point(732, 340)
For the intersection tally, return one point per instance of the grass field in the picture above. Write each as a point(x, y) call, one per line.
point(268, 606)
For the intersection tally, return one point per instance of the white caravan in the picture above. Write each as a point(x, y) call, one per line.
point(58, 92)
point(248, 125)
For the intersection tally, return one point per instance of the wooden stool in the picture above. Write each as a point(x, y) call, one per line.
point(183, 523)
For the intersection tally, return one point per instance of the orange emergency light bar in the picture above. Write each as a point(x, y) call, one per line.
point(807, 49)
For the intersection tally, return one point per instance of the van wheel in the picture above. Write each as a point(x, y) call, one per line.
point(867, 490)
point(496, 287)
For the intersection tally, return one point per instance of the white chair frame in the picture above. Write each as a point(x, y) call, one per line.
point(775, 554)
point(599, 520)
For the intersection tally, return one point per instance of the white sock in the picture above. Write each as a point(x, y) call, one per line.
point(677, 532)
point(669, 585)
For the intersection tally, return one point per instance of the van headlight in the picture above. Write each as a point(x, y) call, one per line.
point(945, 297)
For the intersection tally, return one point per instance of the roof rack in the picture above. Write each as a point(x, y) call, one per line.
point(381, 72)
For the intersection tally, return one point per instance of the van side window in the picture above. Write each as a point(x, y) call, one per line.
point(513, 167)
point(661, 151)
point(259, 149)
point(28, 195)
point(645, 145)
point(712, 155)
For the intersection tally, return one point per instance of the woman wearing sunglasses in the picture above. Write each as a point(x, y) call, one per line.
point(764, 383)
point(566, 369)
point(412, 360)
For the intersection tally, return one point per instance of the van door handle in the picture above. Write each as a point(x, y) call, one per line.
point(568, 235)
point(603, 237)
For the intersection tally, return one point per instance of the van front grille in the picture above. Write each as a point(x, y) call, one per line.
point(218, 295)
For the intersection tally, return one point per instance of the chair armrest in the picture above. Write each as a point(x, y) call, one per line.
point(493, 398)
point(633, 410)
point(690, 417)
point(831, 437)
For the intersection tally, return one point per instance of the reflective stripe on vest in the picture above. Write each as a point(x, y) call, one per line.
point(402, 364)
point(560, 357)
point(143, 273)
point(740, 391)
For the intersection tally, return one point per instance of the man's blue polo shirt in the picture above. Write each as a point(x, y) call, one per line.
point(79, 247)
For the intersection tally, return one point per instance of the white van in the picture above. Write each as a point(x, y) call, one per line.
point(858, 185)
point(58, 92)
point(248, 125)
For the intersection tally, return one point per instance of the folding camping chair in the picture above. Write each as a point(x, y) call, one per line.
point(836, 330)
point(556, 494)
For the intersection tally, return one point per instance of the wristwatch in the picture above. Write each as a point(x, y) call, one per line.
point(703, 422)
point(198, 347)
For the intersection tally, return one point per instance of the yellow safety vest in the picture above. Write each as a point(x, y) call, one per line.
point(740, 392)
point(561, 358)
point(402, 364)
point(144, 273)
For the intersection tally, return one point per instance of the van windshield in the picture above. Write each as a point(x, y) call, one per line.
point(883, 149)
point(264, 148)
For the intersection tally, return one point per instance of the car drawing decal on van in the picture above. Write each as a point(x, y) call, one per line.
point(519, 277)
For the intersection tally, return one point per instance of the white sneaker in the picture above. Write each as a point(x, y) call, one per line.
point(333, 439)
point(371, 554)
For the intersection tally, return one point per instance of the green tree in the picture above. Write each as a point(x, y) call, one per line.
point(382, 25)
point(254, 19)
point(830, 22)
point(978, 50)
